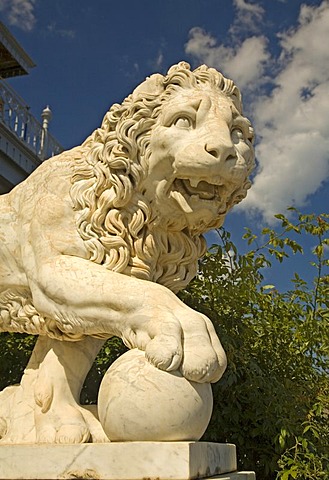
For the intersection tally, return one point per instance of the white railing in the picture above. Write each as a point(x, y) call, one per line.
point(14, 113)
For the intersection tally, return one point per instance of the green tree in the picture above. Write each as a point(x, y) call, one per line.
point(273, 400)
point(15, 351)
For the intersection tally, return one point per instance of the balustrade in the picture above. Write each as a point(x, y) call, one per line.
point(14, 113)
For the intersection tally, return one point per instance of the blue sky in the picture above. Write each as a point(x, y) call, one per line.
point(92, 53)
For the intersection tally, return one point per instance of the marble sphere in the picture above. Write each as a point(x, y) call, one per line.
point(139, 402)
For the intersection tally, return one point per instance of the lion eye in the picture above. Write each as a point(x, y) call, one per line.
point(183, 122)
point(237, 135)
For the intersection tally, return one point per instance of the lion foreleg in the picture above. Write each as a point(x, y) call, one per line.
point(85, 298)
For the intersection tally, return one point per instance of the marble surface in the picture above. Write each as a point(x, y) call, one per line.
point(235, 476)
point(97, 241)
point(117, 461)
point(139, 402)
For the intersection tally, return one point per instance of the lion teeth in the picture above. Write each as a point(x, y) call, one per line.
point(194, 182)
point(181, 201)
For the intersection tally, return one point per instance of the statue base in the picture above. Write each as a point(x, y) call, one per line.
point(121, 461)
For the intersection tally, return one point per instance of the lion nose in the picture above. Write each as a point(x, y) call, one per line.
point(221, 150)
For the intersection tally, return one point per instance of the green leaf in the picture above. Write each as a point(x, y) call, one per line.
point(294, 472)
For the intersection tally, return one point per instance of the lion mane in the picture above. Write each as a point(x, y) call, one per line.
point(116, 222)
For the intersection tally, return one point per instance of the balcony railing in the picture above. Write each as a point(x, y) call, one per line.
point(14, 113)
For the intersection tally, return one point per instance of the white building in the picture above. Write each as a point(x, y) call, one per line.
point(24, 141)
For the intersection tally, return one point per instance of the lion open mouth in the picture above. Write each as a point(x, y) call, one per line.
point(184, 190)
point(204, 190)
point(201, 189)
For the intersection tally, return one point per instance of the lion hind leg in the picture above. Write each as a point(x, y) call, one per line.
point(17, 415)
point(68, 428)
point(44, 408)
point(58, 416)
point(43, 394)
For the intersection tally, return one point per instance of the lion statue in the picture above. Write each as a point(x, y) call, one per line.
point(97, 241)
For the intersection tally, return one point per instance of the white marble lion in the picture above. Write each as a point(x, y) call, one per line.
point(97, 241)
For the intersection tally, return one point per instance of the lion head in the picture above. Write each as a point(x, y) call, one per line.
point(165, 167)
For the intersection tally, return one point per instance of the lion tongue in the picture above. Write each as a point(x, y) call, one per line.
point(181, 201)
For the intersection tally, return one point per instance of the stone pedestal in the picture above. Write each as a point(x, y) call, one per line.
point(234, 476)
point(121, 461)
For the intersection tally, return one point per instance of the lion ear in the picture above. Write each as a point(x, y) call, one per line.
point(153, 85)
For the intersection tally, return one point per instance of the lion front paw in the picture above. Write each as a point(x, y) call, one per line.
point(179, 339)
point(161, 339)
point(204, 360)
point(164, 352)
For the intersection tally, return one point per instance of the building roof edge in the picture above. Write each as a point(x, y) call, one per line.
point(20, 55)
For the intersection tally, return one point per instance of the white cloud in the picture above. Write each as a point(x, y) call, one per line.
point(252, 8)
point(19, 13)
point(244, 56)
point(158, 62)
point(247, 65)
point(291, 122)
point(249, 17)
point(245, 62)
point(61, 32)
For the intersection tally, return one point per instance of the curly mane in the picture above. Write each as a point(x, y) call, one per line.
point(116, 222)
